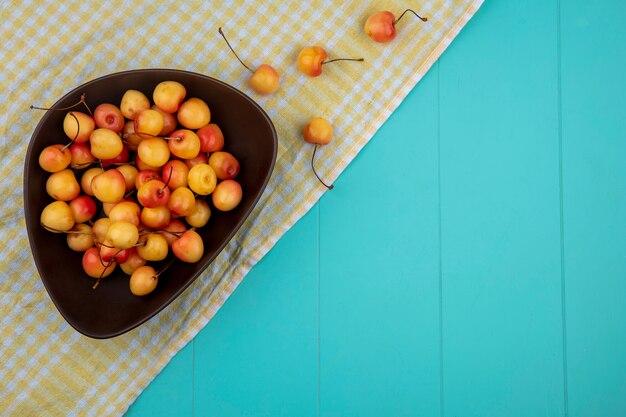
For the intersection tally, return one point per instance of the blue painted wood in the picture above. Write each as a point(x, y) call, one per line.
point(593, 46)
point(258, 356)
point(500, 237)
point(379, 271)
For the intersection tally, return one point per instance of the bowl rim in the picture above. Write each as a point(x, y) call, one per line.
point(29, 160)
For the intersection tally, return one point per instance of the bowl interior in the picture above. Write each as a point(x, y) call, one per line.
point(111, 309)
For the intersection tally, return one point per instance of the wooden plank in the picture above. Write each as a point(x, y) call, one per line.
point(258, 356)
point(593, 51)
point(170, 393)
point(379, 271)
point(502, 326)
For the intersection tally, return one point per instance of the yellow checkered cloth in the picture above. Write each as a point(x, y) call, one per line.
point(48, 48)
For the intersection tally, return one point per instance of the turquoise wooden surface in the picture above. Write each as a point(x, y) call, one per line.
point(471, 261)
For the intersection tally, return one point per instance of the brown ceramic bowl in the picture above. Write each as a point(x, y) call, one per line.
point(111, 309)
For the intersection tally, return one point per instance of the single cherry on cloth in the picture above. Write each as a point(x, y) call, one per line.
point(264, 80)
point(381, 26)
point(311, 59)
point(319, 132)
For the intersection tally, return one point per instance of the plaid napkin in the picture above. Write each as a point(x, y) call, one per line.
point(46, 367)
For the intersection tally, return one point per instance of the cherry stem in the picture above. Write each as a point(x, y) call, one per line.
point(233, 51)
point(165, 267)
point(330, 187)
point(73, 232)
point(83, 165)
point(103, 244)
point(105, 268)
point(126, 135)
point(77, 132)
point(147, 232)
point(167, 182)
point(343, 59)
point(423, 19)
point(82, 100)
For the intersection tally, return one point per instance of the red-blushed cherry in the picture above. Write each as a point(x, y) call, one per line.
point(319, 132)
point(133, 262)
point(109, 116)
point(175, 174)
point(184, 144)
point(121, 158)
point(130, 137)
point(109, 253)
point(265, 80)
point(224, 164)
point(173, 230)
point(83, 208)
point(189, 247)
point(146, 175)
point(55, 158)
point(202, 158)
point(94, 266)
point(311, 59)
point(81, 155)
point(211, 138)
point(153, 193)
point(381, 26)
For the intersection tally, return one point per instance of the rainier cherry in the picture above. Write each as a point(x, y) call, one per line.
point(110, 116)
point(381, 26)
point(189, 247)
point(133, 103)
point(55, 158)
point(211, 138)
point(57, 217)
point(143, 280)
point(264, 80)
point(227, 195)
point(318, 132)
point(168, 95)
point(311, 59)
